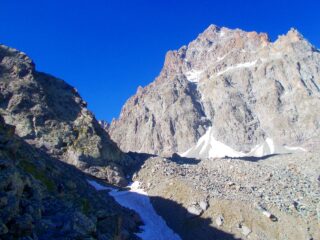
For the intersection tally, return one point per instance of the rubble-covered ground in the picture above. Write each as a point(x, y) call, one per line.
point(275, 197)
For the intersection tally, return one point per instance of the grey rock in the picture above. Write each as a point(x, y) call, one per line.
point(3, 229)
point(80, 224)
point(245, 230)
point(219, 220)
point(112, 174)
point(266, 213)
point(105, 125)
point(44, 198)
point(240, 84)
point(294, 179)
point(194, 210)
point(50, 114)
point(318, 212)
point(203, 205)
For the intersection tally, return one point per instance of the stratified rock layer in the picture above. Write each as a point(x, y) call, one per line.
point(50, 114)
point(246, 88)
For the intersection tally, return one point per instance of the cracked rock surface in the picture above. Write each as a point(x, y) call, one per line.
point(244, 86)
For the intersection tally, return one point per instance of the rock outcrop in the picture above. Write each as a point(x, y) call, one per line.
point(44, 198)
point(50, 114)
point(241, 89)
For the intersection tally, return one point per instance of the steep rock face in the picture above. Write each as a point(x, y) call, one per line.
point(44, 198)
point(49, 113)
point(238, 85)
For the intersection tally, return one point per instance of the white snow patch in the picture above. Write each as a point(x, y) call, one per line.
point(296, 148)
point(270, 143)
point(137, 199)
point(240, 65)
point(263, 149)
point(98, 186)
point(258, 151)
point(193, 75)
point(222, 33)
point(208, 147)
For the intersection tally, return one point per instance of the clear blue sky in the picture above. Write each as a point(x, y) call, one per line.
point(106, 49)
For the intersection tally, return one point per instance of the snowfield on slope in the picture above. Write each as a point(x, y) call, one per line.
point(137, 199)
point(208, 147)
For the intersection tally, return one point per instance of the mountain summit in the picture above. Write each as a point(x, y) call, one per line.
point(227, 93)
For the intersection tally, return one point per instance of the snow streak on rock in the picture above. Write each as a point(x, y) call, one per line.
point(240, 65)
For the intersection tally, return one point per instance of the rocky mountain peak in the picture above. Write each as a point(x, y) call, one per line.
point(215, 33)
point(15, 61)
point(294, 35)
point(213, 44)
point(232, 86)
point(212, 32)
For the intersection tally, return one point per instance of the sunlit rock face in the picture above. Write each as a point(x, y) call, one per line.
point(239, 85)
point(51, 115)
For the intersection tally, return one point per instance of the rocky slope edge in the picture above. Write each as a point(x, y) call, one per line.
point(44, 198)
point(237, 87)
point(51, 115)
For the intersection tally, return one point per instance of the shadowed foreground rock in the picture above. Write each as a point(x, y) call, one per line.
point(44, 198)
